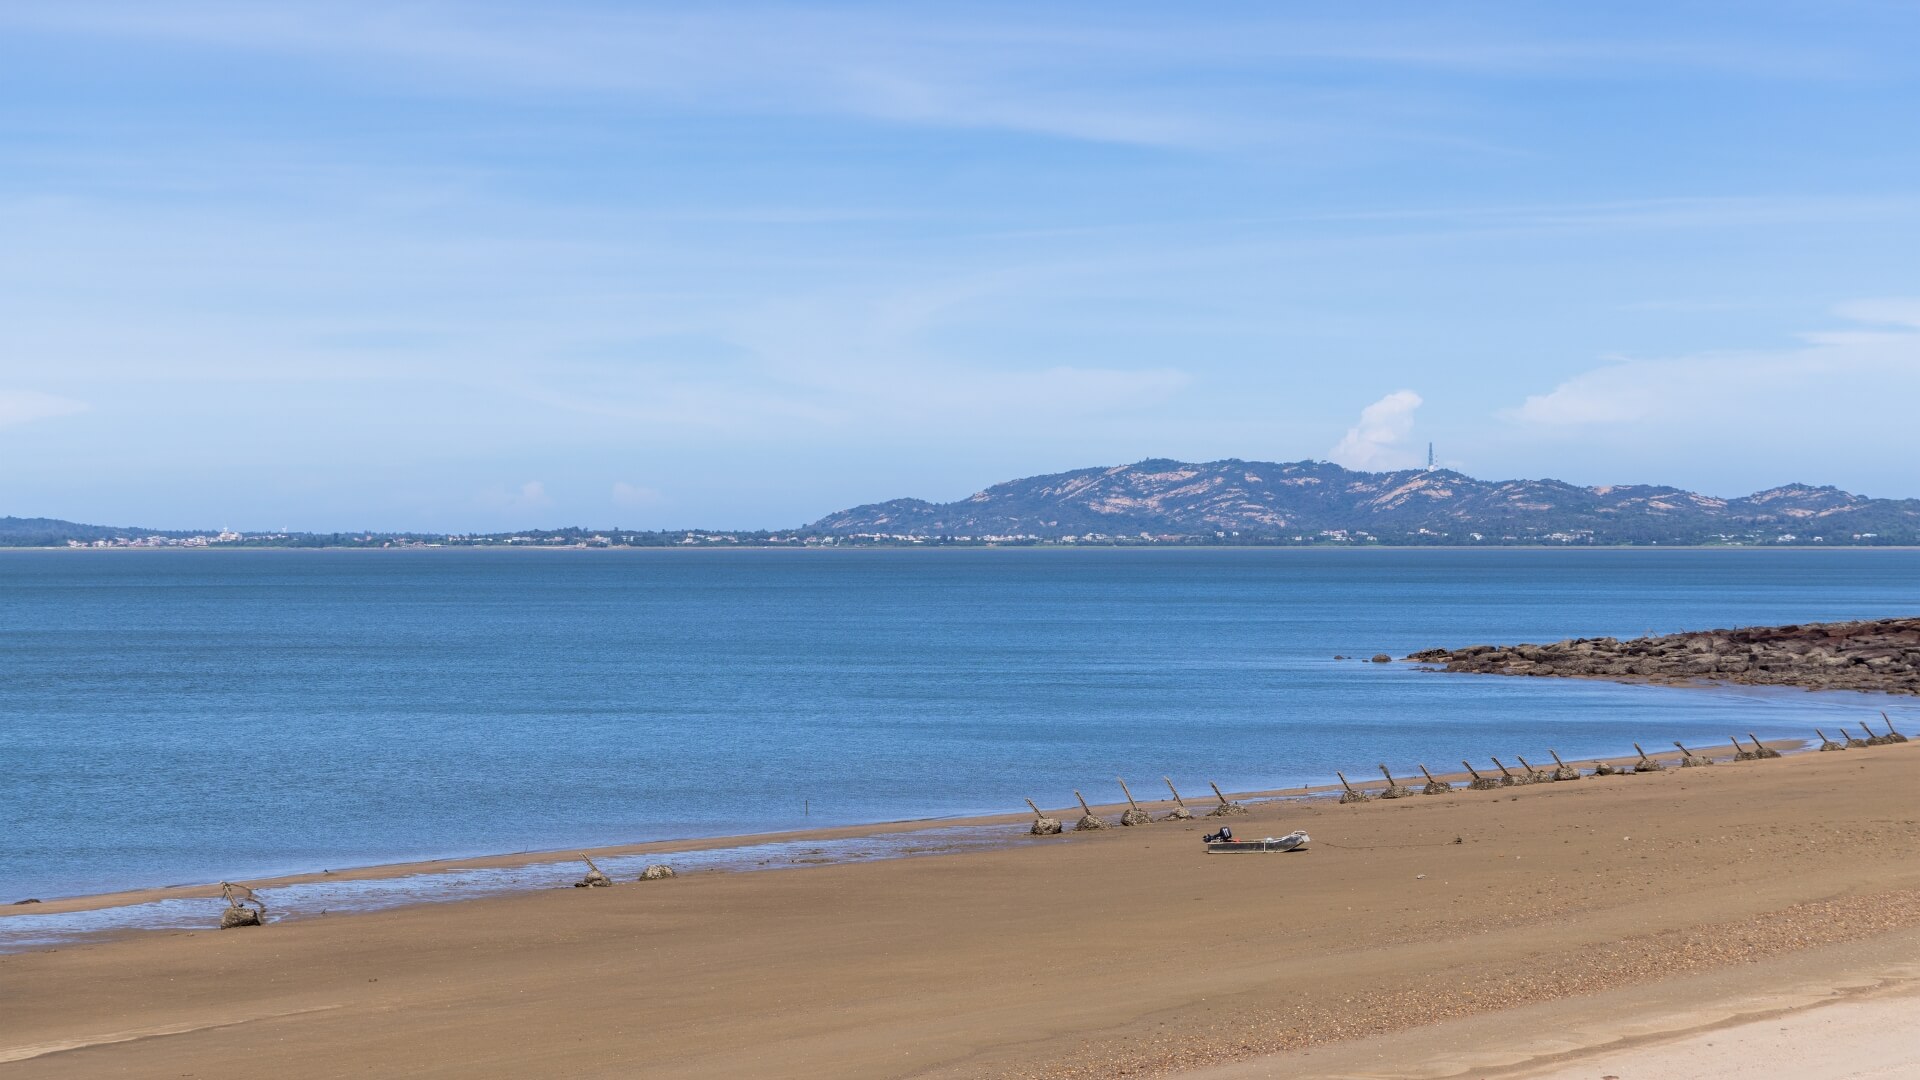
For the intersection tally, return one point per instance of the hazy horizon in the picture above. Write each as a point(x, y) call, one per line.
point(599, 524)
point(476, 267)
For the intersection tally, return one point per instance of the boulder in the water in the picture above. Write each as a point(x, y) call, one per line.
point(236, 915)
point(657, 872)
point(1045, 826)
point(1088, 823)
point(1133, 815)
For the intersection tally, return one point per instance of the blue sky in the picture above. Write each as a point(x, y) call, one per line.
point(484, 265)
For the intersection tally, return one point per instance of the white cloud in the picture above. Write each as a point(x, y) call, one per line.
point(26, 406)
point(1378, 441)
point(1849, 374)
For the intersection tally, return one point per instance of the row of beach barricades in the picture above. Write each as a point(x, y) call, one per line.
point(1563, 771)
point(1045, 825)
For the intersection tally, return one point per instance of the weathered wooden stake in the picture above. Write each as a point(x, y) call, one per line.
point(1350, 795)
point(1084, 808)
point(1176, 792)
point(1470, 769)
point(1035, 809)
point(1216, 792)
point(1503, 768)
point(1129, 792)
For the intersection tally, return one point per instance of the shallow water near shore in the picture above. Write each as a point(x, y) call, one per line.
point(188, 716)
point(307, 899)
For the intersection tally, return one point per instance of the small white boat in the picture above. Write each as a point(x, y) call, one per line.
point(1218, 844)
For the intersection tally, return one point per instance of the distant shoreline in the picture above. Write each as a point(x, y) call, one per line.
point(854, 547)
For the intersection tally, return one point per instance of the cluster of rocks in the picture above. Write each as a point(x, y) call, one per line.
point(1878, 655)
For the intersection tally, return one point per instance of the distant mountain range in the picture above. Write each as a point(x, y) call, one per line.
point(1315, 501)
point(1216, 502)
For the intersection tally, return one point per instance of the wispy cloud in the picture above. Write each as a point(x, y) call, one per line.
point(1125, 77)
point(1379, 440)
point(1850, 373)
point(634, 495)
point(531, 495)
point(26, 406)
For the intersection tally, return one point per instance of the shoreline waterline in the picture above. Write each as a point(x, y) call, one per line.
point(64, 921)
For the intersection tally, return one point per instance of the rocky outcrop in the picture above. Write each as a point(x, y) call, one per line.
point(1880, 655)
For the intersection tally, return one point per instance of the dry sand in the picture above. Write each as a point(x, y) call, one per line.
point(1560, 911)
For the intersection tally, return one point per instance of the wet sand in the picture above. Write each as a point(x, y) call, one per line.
point(1122, 953)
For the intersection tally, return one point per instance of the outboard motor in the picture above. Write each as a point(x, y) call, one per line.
point(1222, 836)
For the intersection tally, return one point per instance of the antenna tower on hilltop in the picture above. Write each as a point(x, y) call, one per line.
point(1430, 465)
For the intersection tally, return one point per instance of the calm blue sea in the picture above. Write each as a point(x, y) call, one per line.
point(184, 716)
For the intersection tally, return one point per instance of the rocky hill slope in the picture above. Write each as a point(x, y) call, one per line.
point(1310, 499)
point(1880, 655)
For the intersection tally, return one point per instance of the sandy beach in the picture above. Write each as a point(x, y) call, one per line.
point(1123, 953)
